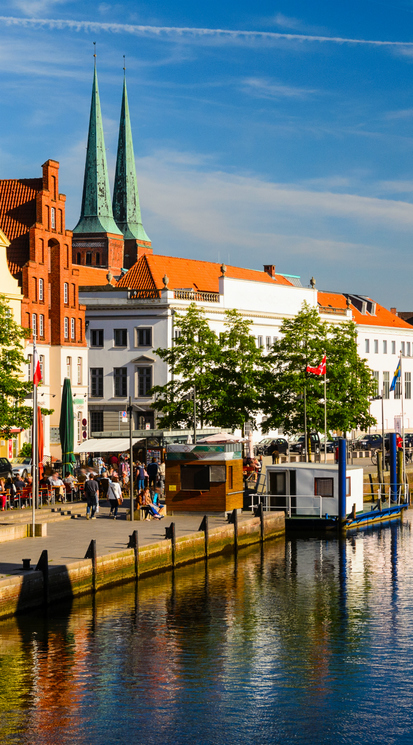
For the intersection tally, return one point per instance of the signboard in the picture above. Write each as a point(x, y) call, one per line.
point(147, 425)
point(172, 487)
point(123, 417)
point(54, 436)
point(78, 401)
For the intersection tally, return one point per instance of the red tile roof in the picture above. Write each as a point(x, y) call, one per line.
point(17, 215)
point(382, 317)
point(90, 275)
point(202, 276)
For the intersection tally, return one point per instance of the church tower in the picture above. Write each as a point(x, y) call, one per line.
point(126, 207)
point(97, 241)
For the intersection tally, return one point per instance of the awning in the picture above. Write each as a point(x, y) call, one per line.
point(106, 445)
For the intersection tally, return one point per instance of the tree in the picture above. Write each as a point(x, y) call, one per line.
point(304, 340)
point(13, 389)
point(224, 369)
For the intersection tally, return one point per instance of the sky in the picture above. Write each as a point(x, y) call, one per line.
point(277, 133)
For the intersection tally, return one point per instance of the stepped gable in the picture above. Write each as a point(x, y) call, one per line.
point(201, 276)
point(17, 215)
point(381, 317)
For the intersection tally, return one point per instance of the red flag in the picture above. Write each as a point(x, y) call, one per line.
point(320, 370)
point(37, 376)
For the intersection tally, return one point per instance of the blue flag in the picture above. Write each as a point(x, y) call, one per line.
point(396, 376)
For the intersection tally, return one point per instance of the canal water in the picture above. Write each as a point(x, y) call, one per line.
point(302, 641)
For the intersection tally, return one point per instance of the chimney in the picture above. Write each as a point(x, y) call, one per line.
point(270, 269)
point(394, 311)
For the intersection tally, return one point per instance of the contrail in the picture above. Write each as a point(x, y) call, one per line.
point(188, 32)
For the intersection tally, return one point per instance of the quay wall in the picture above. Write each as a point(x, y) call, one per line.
point(55, 583)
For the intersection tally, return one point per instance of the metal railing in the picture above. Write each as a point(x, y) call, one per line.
point(271, 502)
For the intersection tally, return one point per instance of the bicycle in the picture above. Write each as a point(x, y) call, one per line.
point(408, 456)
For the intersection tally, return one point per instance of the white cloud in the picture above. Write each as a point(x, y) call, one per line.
point(35, 7)
point(264, 88)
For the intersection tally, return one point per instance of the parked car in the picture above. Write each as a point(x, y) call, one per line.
point(332, 444)
point(268, 444)
point(368, 442)
point(5, 468)
point(299, 446)
point(21, 467)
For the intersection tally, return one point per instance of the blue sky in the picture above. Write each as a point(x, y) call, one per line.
point(277, 133)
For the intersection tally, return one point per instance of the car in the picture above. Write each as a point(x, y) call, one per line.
point(368, 442)
point(332, 444)
point(299, 447)
point(21, 467)
point(5, 468)
point(269, 444)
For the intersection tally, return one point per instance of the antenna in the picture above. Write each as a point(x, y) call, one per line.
point(124, 63)
point(94, 51)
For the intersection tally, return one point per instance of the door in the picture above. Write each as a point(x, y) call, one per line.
point(278, 488)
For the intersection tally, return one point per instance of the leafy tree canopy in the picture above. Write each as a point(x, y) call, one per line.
point(13, 389)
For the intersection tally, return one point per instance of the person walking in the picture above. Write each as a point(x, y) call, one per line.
point(115, 496)
point(140, 476)
point(152, 470)
point(91, 494)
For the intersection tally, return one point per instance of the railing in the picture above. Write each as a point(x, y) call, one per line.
point(399, 490)
point(204, 297)
point(271, 502)
point(332, 311)
point(144, 295)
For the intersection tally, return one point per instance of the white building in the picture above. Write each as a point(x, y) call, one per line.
point(127, 322)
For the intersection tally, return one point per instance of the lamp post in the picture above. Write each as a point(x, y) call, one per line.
point(130, 412)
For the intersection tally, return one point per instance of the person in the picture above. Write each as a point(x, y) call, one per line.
point(57, 485)
point(161, 475)
point(152, 470)
point(115, 496)
point(103, 485)
point(140, 475)
point(276, 455)
point(399, 441)
point(151, 509)
point(3, 495)
point(11, 489)
point(82, 476)
point(91, 494)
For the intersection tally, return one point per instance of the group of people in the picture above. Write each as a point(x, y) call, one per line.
point(15, 488)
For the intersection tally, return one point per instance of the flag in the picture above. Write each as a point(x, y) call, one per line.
point(320, 369)
point(37, 376)
point(396, 376)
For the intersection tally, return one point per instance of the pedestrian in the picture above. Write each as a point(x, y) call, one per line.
point(276, 455)
point(91, 494)
point(115, 496)
point(3, 495)
point(140, 476)
point(152, 470)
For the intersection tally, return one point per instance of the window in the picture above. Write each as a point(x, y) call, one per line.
point(120, 381)
point(80, 330)
point(97, 259)
point(41, 290)
point(376, 376)
point(408, 349)
point(393, 347)
point(260, 342)
point(397, 389)
point(41, 326)
point(53, 218)
point(60, 221)
point(403, 348)
point(78, 258)
point(384, 346)
point(324, 487)
point(96, 382)
point(34, 324)
point(144, 375)
point(274, 339)
point(74, 296)
point(195, 478)
point(121, 337)
point(66, 328)
point(177, 334)
point(144, 337)
point(66, 293)
point(386, 384)
point(376, 346)
point(79, 427)
point(96, 421)
point(348, 486)
point(69, 368)
point(72, 328)
point(268, 342)
point(230, 477)
point(29, 367)
point(407, 385)
point(96, 338)
point(88, 258)
point(79, 371)
point(367, 346)
point(41, 364)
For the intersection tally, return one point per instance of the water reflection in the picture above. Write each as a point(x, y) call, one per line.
point(297, 641)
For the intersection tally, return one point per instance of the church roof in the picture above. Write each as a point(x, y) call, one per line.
point(126, 207)
point(17, 215)
point(96, 213)
point(201, 276)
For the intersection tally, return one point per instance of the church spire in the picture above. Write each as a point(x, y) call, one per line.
point(96, 213)
point(126, 208)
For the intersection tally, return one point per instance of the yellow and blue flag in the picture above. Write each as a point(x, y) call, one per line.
point(396, 376)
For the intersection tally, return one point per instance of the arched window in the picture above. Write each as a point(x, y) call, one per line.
point(97, 259)
point(88, 258)
point(78, 259)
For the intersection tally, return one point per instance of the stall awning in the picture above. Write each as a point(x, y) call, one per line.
point(106, 445)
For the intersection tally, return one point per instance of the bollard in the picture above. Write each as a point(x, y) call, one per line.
point(380, 474)
point(91, 554)
point(393, 468)
point(234, 520)
point(134, 543)
point(43, 566)
point(170, 533)
point(204, 527)
point(26, 565)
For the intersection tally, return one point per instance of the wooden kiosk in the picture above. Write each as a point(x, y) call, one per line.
point(203, 478)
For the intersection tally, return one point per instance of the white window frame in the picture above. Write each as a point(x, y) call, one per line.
point(66, 327)
point(69, 368)
point(73, 329)
point(41, 325)
point(79, 371)
point(41, 290)
point(66, 293)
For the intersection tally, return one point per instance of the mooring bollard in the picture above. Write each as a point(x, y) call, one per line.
point(134, 543)
point(91, 554)
point(234, 520)
point(26, 565)
point(205, 529)
point(170, 534)
point(43, 567)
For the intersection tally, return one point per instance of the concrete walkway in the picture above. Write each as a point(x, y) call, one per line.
point(68, 539)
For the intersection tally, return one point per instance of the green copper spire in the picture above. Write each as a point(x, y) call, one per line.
point(126, 209)
point(96, 214)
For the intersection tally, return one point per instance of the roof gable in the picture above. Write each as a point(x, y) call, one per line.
point(382, 316)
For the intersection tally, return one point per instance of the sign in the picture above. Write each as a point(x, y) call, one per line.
point(123, 417)
point(78, 401)
point(172, 487)
point(147, 425)
point(54, 436)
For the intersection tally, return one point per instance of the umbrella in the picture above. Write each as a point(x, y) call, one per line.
point(219, 438)
point(66, 428)
point(40, 441)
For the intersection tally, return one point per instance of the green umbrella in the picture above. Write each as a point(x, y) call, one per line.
point(66, 428)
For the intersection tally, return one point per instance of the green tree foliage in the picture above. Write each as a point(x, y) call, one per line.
point(224, 370)
point(13, 389)
point(350, 383)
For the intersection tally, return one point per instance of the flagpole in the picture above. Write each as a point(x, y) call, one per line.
point(402, 398)
point(305, 419)
point(35, 450)
point(325, 411)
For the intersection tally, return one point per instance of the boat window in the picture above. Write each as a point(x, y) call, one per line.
point(324, 487)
